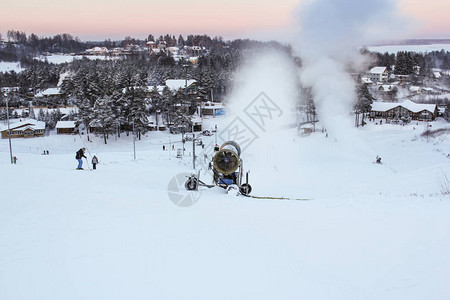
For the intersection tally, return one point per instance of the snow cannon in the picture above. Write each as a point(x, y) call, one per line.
point(227, 167)
point(227, 159)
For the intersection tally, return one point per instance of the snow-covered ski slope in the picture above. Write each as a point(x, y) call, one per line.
point(370, 232)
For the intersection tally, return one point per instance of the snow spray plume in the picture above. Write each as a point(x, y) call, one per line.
point(271, 73)
point(331, 33)
point(267, 71)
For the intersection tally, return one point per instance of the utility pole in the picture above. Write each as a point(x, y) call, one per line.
point(134, 141)
point(193, 151)
point(9, 131)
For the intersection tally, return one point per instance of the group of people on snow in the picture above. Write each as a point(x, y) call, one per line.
point(79, 157)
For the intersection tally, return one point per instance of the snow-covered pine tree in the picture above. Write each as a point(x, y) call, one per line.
point(103, 117)
point(31, 114)
point(364, 100)
point(135, 96)
point(41, 115)
point(156, 103)
point(168, 105)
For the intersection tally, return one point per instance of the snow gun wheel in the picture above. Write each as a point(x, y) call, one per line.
point(245, 189)
point(191, 184)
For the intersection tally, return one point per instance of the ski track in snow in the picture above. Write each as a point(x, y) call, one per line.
point(113, 233)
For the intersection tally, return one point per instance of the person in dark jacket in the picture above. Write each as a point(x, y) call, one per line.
point(79, 156)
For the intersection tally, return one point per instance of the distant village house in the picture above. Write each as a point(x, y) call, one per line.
point(405, 109)
point(65, 127)
point(378, 74)
point(24, 129)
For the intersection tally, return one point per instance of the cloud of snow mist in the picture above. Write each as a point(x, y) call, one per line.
point(331, 32)
point(273, 73)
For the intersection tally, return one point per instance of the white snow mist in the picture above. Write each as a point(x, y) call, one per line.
point(271, 72)
point(331, 33)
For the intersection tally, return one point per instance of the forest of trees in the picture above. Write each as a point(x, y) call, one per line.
point(114, 94)
point(406, 63)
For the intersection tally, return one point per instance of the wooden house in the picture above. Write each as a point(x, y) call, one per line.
point(24, 129)
point(405, 109)
point(66, 127)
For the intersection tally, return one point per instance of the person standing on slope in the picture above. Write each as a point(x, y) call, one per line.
point(94, 162)
point(79, 156)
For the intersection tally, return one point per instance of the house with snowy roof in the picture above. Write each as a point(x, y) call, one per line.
point(176, 84)
point(24, 129)
point(213, 109)
point(415, 89)
point(66, 127)
point(366, 80)
point(430, 91)
point(98, 51)
point(387, 88)
point(197, 123)
point(151, 44)
point(49, 93)
point(378, 74)
point(405, 109)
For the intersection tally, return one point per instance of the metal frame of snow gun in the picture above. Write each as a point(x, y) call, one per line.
point(227, 167)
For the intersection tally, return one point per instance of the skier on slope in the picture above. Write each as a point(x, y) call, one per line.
point(378, 160)
point(79, 156)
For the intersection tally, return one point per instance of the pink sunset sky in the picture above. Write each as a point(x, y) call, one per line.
point(101, 19)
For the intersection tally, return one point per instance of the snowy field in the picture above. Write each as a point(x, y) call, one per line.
point(369, 231)
point(54, 59)
point(61, 58)
point(10, 66)
point(393, 49)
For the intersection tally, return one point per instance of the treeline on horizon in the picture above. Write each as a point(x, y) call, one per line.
point(108, 84)
point(22, 48)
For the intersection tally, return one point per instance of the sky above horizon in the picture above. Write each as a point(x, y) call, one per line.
point(261, 19)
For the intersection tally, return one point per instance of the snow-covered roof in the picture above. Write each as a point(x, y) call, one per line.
point(30, 123)
point(415, 89)
point(366, 80)
point(98, 49)
point(48, 92)
point(65, 124)
point(386, 87)
point(408, 104)
point(437, 75)
point(176, 84)
point(378, 70)
point(428, 89)
point(51, 91)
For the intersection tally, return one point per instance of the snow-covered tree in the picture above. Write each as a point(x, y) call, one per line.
point(103, 117)
point(363, 103)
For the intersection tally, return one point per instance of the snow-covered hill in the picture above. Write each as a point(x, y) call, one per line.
point(413, 48)
point(369, 231)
